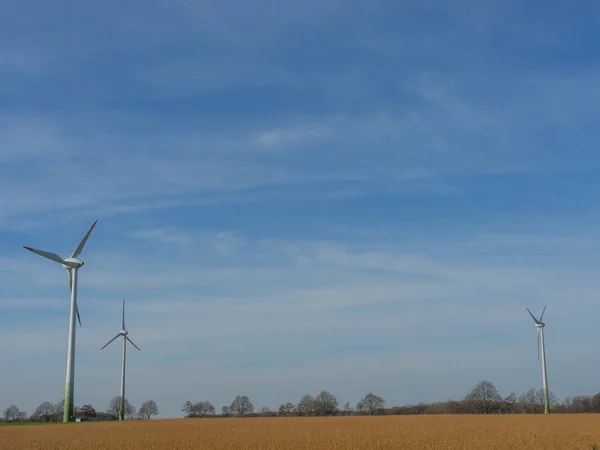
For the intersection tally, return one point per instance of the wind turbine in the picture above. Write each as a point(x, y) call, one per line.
point(540, 331)
point(123, 333)
point(72, 265)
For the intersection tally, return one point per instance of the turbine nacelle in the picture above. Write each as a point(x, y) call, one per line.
point(540, 325)
point(72, 263)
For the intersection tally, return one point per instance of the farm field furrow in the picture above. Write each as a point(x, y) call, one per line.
point(344, 433)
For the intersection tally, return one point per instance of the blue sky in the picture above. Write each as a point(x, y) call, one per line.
point(297, 196)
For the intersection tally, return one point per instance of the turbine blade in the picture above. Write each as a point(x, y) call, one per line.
point(541, 317)
point(127, 337)
point(111, 341)
point(79, 248)
point(123, 323)
point(532, 316)
point(77, 311)
point(538, 344)
point(49, 255)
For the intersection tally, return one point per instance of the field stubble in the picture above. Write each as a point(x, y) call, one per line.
point(513, 432)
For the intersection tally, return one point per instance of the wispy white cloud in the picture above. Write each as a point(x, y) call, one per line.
point(24, 137)
point(166, 236)
point(115, 179)
point(423, 148)
point(284, 138)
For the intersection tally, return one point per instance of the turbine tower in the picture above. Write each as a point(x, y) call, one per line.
point(72, 265)
point(123, 333)
point(540, 331)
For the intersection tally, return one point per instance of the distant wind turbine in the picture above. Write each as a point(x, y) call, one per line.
point(72, 265)
point(540, 331)
point(123, 333)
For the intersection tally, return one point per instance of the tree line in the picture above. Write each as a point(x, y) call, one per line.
point(324, 404)
point(484, 398)
point(53, 412)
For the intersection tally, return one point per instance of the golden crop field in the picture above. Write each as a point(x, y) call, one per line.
point(344, 433)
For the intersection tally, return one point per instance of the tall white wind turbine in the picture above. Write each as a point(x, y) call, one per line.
point(72, 265)
point(123, 333)
point(540, 331)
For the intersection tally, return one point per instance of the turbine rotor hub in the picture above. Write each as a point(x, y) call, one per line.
point(73, 263)
point(124, 332)
point(540, 325)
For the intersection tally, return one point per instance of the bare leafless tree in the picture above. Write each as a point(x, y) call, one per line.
point(532, 401)
point(483, 399)
point(44, 412)
point(115, 405)
point(241, 405)
point(306, 406)
point(202, 409)
point(148, 409)
point(370, 404)
point(13, 413)
point(286, 409)
point(209, 408)
point(325, 403)
point(59, 408)
point(552, 400)
point(87, 411)
point(526, 402)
